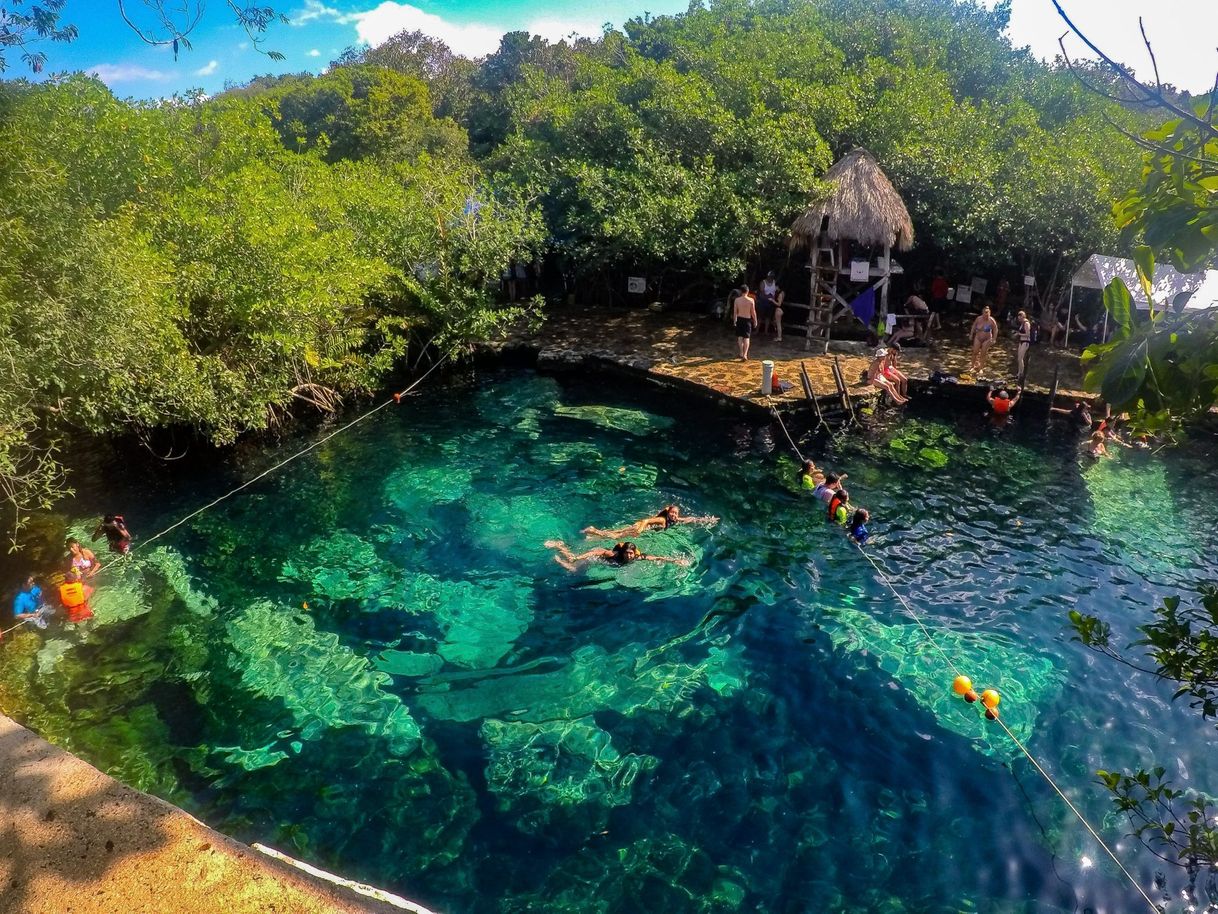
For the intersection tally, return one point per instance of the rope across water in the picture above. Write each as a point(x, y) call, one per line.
point(930, 639)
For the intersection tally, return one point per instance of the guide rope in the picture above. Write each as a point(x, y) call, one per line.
point(909, 610)
point(395, 398)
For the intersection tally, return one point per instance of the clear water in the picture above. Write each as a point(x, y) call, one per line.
point(455, 717)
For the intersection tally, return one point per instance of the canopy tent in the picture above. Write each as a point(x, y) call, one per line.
point(1168, 287)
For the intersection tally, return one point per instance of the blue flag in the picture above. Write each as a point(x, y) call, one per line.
point(864, 306)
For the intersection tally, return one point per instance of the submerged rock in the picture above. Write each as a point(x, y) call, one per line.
point(630, 421)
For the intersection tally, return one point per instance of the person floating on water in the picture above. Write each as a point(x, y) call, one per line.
point(117, 534)
point(668, 516)
point(858, 526)
point(83, 560)
point(74, 595)
point(621, 554)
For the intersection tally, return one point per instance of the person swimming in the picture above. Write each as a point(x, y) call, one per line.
point(83, 560)
point(839, 507)
point(827, 487)
point(809, 477)
point(1001, 402)
point(858, 526)
point(1096, 447)
point(621, 554)
point(117, 534)
point(668, 516)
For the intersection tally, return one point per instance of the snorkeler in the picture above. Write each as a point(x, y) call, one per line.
point(117, 534)
point(668, 516)
point(620, 554)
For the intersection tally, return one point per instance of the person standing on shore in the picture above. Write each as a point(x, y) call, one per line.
point(744, 310)
point(984, 334)
point(1023, 339)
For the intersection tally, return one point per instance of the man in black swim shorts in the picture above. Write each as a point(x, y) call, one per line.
point(744, 309)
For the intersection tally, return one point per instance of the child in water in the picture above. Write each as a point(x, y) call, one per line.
point(809, 477)
point(1095, 447)
point(858, 526)
point(839, 507)
point(621, 554)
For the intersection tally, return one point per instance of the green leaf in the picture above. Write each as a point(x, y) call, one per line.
point(1119, 303)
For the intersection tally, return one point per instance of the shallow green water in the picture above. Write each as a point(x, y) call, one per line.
point(457, 718)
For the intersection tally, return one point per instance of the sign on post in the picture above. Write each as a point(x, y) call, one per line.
point(860, 270)
point(636, 285)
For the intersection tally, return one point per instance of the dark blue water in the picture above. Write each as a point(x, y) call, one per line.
point(371, 661)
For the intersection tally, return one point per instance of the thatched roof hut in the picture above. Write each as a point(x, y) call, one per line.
point(862, 205)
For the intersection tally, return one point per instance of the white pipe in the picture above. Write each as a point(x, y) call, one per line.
point(767, 377)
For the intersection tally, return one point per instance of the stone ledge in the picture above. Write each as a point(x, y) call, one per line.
point(76, 841)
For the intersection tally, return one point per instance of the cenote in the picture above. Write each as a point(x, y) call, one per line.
point(370, 661)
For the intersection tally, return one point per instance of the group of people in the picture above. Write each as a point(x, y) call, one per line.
point(758, 311)
point(825, 487)
point(884, 373)
point(73, 590)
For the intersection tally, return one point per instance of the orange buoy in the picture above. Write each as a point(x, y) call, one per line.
point(991, 714)
point(397, 398)
point(961, 684)
point(304, 605)
point(990, 699)
point(970, 696)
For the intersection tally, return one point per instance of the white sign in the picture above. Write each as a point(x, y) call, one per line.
point(636, 285)
point(1029, 281)
point(890, 323)
point(964, 294)
point(951, 294)
point(978, 285)
point(860, 270)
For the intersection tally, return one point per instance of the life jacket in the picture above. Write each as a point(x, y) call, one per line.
point(1002, 405)
point(834, 503)
point(75, 600)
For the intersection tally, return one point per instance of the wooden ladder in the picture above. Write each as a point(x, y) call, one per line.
point(822, 285)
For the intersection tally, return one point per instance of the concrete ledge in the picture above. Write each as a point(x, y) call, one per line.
point(75, 841)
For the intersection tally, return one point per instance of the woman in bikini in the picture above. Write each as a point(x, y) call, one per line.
point(83, 560)
point(983, 334)
point(1023, 337)
point(621, 554)
point(899, 379)
point(877, 378)
point(669, 516)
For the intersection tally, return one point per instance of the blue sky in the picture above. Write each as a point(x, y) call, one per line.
point(1183, 32)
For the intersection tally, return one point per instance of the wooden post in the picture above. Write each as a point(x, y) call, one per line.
point(1069, 314)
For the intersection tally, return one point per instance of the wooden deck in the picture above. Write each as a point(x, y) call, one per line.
point(700, 351)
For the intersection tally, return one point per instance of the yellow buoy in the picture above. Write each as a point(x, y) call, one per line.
point(990, 699)
point(961, 684)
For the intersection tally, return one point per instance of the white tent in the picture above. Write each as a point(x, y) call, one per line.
point(1099, 270)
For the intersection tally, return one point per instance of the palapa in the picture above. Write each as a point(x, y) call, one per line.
point(862, 205)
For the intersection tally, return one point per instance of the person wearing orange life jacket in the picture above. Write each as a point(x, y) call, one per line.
point(74, 596)
point(1002, 403)
point(839, 507)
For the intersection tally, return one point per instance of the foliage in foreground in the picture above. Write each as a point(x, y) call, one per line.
point(174, 264)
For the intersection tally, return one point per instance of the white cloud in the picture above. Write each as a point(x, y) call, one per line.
point(111, 73)
point(473, 39)
point(315, 53)
point(313, 9)
point(212, 67)
point(244, 46)
point(376, 25)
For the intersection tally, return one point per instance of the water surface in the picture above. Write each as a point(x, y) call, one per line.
point(370, 660)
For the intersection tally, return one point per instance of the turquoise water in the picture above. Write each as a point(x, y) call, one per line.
point(370, 661)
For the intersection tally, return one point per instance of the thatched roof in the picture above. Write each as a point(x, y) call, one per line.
point(862, 205)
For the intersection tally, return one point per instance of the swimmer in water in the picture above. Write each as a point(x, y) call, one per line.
point(83, 560)
point(829, 486)
point(858, 526)
point(669, 516)
point(621, 554)
point(839, 507)
point(1001, 403)
point(1096, 447)
point(809, 477)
